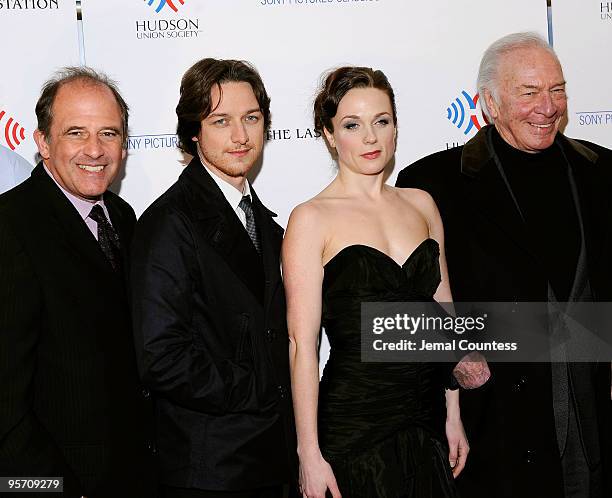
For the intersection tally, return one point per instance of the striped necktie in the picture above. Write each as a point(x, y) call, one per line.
point(251, 227)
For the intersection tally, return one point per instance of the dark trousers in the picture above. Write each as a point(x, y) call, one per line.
point(268, 492)
point(578, 480)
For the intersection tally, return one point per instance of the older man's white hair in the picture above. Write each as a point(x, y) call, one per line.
point(492, 57)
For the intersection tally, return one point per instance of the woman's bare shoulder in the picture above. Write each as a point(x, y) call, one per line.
point(417, 198)
point(311, 209)
point(414, 194)
point(319, 207)
point(309, 218)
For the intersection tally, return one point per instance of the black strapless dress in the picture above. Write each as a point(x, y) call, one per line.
point(381, 425)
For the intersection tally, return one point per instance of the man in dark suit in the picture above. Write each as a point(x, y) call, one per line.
point(208, 301)
point(70, 401)
point(527, 218)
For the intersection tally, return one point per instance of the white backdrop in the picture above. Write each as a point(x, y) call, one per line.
point(582, 35)
point(35, 42)
point(429, 51)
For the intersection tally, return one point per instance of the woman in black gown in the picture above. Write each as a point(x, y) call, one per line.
point(368, 429)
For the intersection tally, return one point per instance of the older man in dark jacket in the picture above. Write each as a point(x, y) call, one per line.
point(527, 218)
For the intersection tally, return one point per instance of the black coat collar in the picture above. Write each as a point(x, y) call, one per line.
point(271, 240)
point(488, 193)
point(477, 152)
point(225, 233)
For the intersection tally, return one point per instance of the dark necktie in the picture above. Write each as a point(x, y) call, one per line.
point(251, 228)
point(107, 237)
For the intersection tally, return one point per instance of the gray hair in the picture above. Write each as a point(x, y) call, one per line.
point(491, 59)
point(65, 75)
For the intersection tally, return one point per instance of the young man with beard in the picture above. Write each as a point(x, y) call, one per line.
point(208, 302)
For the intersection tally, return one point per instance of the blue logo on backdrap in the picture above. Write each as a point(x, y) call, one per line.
point(464, 114)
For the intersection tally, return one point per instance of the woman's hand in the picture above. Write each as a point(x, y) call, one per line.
point(316, 477)
point(457, 443)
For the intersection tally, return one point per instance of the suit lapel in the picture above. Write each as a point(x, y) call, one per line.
point(489, 195)
point(222, 228)
point(593, 199)
point(76, 233)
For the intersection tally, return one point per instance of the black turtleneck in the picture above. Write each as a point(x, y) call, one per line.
point(542, 189)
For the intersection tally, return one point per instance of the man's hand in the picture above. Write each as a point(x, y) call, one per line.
point(472, 371)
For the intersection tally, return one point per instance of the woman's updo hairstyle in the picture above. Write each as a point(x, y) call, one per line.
point(336, 85)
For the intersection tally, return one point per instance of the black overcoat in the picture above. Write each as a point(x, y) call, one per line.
point(211, 339)
point(510, 421)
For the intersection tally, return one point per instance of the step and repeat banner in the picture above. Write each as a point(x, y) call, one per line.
point(430, 52)
point(582, 34)
point(38, 37)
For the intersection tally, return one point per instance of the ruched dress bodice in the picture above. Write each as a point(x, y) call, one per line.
point(378, 421)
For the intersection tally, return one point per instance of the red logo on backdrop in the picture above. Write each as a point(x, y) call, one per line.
point(14, 133)
point(163, 3)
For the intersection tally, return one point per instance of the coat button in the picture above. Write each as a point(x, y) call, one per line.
point(152, 447)
point(146, 394)
point(282, 392)
point(530, 456)
point(270, 335)
point(520, 384)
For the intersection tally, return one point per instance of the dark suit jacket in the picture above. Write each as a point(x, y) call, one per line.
point(510, 421)
point(211, 338)
point(70, 401)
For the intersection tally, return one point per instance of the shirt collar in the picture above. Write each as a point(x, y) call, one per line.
point(81, 205)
